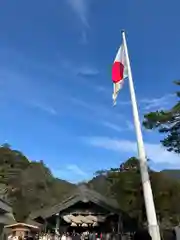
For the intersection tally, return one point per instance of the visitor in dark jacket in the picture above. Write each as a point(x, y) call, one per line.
point(142, 234)
point(76, 237)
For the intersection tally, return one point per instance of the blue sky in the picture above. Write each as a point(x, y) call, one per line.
point(55, 80)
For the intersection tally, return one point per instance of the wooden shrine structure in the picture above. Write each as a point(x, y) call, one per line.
point(22, 230)
point(82, 209)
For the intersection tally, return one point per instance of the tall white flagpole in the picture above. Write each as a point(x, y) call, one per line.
point(148, 196)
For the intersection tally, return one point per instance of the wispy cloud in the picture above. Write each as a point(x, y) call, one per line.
point(87, 72)
point(149, 104)
point(76, 170)
point(70, 172)
point(81, 70)
point(130, 125)
point(157, 103)
point(100, 114)
point(82, 103)
point(45, 108)
point(100, 111)
point(123, 126)
point(155, 152)
point(102, 89)
point(80, 7)
point(113, 126)
point(153, 103)
point(84, 38)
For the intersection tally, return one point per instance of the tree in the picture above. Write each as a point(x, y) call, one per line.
point(36, 188)
point(127, 189)
point(130, 165)
point(125, 186)
point(28, 185)
point(168, 123)
point(100, 172)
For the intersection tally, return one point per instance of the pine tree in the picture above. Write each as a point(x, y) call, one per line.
point(168, 123)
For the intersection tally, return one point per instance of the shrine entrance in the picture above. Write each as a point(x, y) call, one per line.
point(84, 209)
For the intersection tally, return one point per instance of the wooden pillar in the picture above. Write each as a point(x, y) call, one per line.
point(1, 231)
point(45, 226)
point(120, 224)
point(57, 223)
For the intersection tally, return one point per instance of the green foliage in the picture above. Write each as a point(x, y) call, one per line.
point(126, 187)
point(28, 185)
point(172, 173)
point(168, 123)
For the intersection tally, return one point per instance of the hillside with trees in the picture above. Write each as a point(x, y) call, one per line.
point(29, 185)
point(172, 173)
point(125, 185)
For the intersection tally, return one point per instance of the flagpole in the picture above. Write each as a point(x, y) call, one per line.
point(148, 196)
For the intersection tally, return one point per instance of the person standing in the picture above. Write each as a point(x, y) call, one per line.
point(63, 237)
point(76, 237)
point(142, 234)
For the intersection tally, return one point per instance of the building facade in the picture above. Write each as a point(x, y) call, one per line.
point(82, 209)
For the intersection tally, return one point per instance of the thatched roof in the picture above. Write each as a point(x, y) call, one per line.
point(4, 206)
point(17, 225)
point(81, 194)
point(6, 216)
point(34, 223)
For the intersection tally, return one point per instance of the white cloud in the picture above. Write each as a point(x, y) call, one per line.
point(101, 89)
point(71, 172)
point(130, 125)
point(100, 114)
point(82, 103)
point(76, 170)
point(157, 103)
point(155, 152)
point(80, 7)
point(45, 108)
point(84, 38)
point(20, 87)
point(86, 71)
point(113, 126)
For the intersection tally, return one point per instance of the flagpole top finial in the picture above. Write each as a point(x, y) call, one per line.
point(122, 31)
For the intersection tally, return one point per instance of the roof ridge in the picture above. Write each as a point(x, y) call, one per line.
point(99, 195)
point(81, 193)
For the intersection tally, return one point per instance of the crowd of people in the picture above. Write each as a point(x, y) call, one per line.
point(139, 235)
point(66, 236)
point(78, 236)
